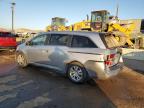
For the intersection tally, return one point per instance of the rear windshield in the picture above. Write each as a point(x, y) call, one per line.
point(109, 40)
point(6, 34)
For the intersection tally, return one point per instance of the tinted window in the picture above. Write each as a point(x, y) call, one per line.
point(48, 39)
point(58, 39)
point(82, 42)
point(39, 40)
point(6, 34)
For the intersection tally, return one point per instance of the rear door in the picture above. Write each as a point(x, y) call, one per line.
point(58, 47)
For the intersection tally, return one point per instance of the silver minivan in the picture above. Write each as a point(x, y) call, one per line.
point(79, 55)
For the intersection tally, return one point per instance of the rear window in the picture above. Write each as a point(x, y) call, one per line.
point(82, 42)
point(6, 34)
point(109, 41)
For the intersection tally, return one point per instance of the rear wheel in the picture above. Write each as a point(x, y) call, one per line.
point(77, 73)
point(21, 60)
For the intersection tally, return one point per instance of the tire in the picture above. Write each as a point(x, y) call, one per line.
point(21, 60)
point(77, 73)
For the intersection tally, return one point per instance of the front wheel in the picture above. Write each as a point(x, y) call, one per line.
point(77, 73)
point(21, 60)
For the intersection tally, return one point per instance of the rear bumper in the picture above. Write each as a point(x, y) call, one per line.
point(7, 47)
point(98, 70)
point(114, 70)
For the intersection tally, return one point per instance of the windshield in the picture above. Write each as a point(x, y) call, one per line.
point(99, 16)
point(58, 22)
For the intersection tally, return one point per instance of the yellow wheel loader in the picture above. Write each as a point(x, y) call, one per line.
point(102, 21)
point(57, 24)
point(128, 32)
point(83, 25)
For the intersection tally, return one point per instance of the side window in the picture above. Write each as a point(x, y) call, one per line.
point(82, 42)
point(39, 40)
point(59, 39)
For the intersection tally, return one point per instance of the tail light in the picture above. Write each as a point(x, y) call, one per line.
point(111, 56)
point(110, 59)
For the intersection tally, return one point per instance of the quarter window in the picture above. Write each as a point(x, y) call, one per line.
point(58, 39)
point(82, 42)
point(39, 40)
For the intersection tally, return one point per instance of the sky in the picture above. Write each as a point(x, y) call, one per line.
point(37, 14)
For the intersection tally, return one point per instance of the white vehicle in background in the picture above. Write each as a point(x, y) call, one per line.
point(79, 55)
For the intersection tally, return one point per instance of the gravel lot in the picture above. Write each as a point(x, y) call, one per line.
point(35, 87)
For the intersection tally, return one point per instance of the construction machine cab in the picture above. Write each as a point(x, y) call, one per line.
point(99, 20)
point(57, 23)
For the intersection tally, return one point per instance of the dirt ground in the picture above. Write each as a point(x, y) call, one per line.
point(125, 90)
point(35, 87)
point(7, 57)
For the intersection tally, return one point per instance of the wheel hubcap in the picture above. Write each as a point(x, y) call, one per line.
point(76, 73)
point(20, 59)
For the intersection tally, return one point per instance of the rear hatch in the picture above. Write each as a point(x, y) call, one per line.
point(7, 39)
point(113, 49)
